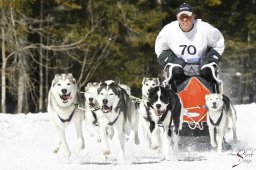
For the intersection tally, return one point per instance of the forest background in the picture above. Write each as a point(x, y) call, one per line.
point(110, 39)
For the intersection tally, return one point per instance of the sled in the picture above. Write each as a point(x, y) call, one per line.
point(192, 94)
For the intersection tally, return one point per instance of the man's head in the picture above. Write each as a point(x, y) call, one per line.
point(186, 17)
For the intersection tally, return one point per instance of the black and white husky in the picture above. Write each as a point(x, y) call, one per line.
point(62, 109)
point(165, 110)
point(117, 111)
point(221, 116)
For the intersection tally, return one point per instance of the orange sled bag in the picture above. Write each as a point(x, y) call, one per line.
point(192, 94)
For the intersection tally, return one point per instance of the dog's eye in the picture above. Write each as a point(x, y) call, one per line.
point(111, 94)
point(101, 94)
point(154, 84)
point(58, 84)
point(69, 84)
point(146, 84)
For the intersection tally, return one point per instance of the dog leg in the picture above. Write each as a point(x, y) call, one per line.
point(155, 138)
point(80, 139)
point(220, 140)
point(212, 136)
point(56, 146)
point(64, 144)
point(234, 132)
point(175, 139)
point(166, 145)
point(121, 141)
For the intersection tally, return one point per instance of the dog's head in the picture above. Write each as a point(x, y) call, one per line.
point(147, 84)
point(159, 99)
point(108, 95)
point(90, 94)
point(64, 89)
point(214, 101)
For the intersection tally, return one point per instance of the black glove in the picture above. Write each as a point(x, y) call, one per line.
point(168, 56)
point(211, 56)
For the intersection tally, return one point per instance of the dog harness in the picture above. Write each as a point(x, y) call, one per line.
point(218, 121)
point(68, 119)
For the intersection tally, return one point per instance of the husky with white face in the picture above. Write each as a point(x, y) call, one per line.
point(147, 84)
point(62, 109)
point(221, 116)
point(117, 111)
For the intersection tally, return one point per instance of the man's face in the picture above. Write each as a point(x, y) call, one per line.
point(186, 22)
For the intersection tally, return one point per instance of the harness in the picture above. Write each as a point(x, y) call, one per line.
point(218, 121)
point(69, 118)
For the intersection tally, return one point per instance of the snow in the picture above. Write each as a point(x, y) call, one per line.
point(26, 144)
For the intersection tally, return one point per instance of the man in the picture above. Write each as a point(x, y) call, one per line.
point(188, 42)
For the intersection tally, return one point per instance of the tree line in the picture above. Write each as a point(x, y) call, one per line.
point(97, 40)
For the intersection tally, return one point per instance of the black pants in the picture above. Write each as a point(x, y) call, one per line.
point(178, 77)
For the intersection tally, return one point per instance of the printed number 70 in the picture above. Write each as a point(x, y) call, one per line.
point(190, 49)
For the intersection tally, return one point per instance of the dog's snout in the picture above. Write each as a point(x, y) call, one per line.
point(105, 101)
point(90, 99)
point(158, 106)
point(214, 103)
point(64, 91)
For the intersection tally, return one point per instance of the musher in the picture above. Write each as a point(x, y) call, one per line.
point(188, 43)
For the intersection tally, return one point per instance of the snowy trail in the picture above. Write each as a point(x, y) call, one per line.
point(26, 142)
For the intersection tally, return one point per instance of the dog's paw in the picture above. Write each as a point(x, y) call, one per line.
point(55, 149)
point(154, 147)
point(214, 144)
point(67, 154)
point(136, 140)
point(106, 152)
point(78, 147)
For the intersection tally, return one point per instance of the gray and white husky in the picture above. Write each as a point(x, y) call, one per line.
point(221, 116)
point(117, 111)
point(62, 109)
point(147, 84)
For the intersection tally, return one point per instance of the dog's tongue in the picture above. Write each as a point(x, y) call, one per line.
point(66, 97)
point(106, 108)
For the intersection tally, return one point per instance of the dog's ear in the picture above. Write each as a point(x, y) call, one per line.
point(89, 84)
point(144, 79)
point(207, 96)
point(86, 88)
point(158, 81)
point(221, 96)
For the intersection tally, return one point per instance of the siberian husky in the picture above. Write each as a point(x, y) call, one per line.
point(147, 84)
point(117, 111)
point(165, 110)
point(62, 109)
point(91, 106)
point(221, 116)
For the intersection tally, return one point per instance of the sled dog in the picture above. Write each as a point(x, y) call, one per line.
point(117, 111)
point(221, 116)
point(62, 109)
point(91, 107)
point(165, 110)
point(147, 84)
point(90, 95)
